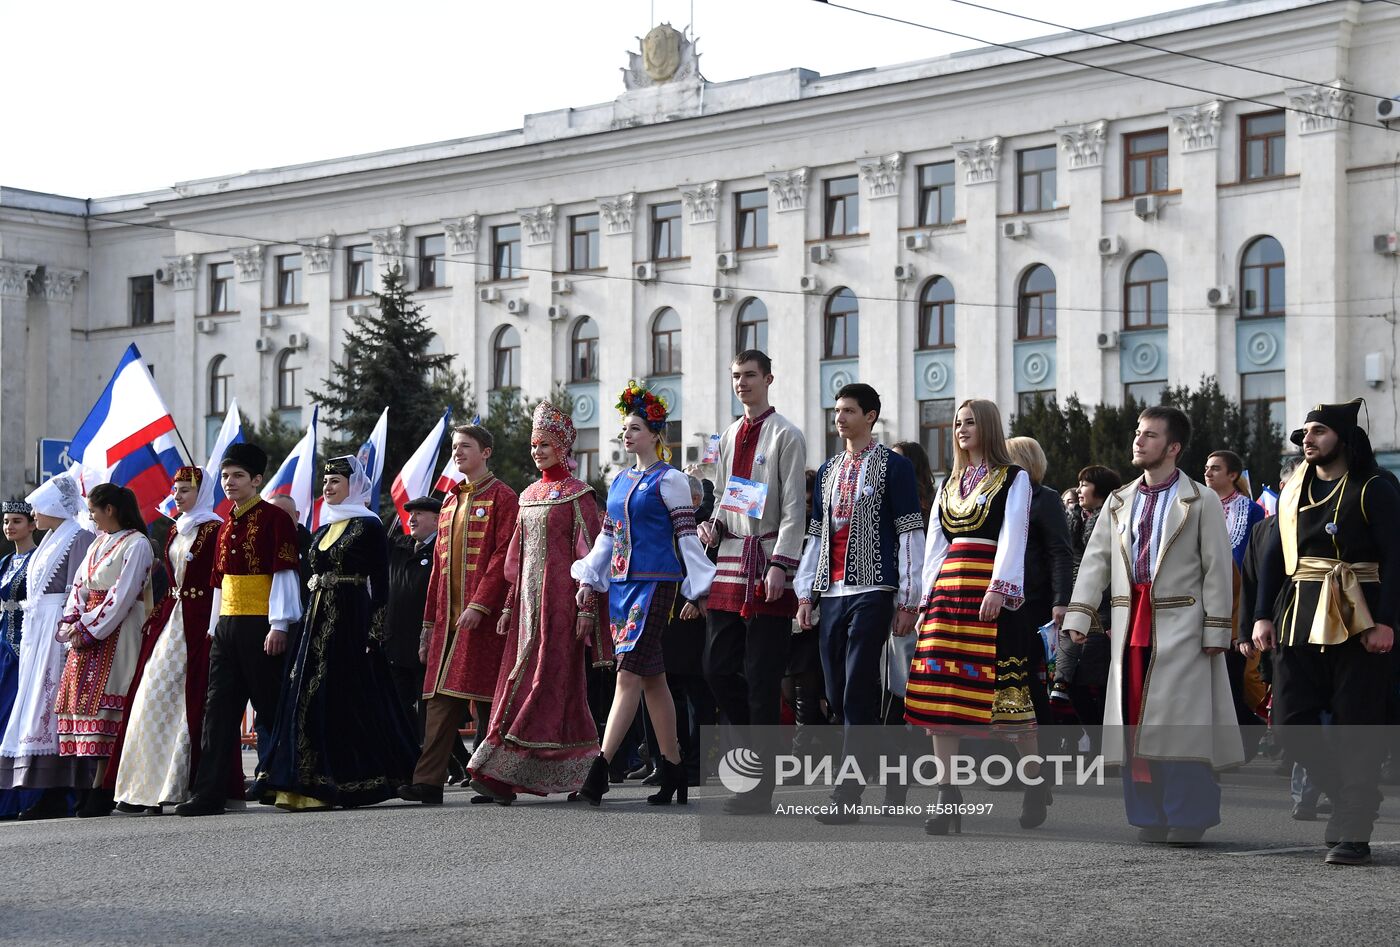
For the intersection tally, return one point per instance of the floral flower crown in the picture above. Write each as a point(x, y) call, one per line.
point(636, 398)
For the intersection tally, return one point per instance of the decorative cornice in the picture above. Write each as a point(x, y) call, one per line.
point(1321, 108)
point(1084, 143)
point(249, 261)
point(790, 188)
point(1197, 126)
point(462, 233)
point(184, 269)
point(14, 279)
point(882, 174)
point(390, 245)
point(539, 224)
point(317, 252)
point(702, 200)
point(980, 159)
point(618, 212)
point(59, 284)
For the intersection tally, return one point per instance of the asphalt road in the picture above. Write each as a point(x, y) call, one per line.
point(548, 871)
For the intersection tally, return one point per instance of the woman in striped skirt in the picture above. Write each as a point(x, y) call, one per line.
point(972, 671)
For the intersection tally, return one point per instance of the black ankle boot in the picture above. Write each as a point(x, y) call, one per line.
point(99, 802)
point(596, 785)
point(945, 820)
point(1033, 805)
point(672, 781)
point(53, 804)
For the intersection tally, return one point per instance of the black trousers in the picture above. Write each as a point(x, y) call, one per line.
point(408, 685)
point(1344, 761)
point(239, 672)
point(744, 663)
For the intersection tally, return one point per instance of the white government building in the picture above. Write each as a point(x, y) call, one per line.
point(990, 223)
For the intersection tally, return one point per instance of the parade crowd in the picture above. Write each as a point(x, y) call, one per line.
point(586, 640)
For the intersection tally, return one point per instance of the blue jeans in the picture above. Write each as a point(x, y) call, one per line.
point(854, 629)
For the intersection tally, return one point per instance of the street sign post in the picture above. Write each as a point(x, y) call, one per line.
point(52, 458)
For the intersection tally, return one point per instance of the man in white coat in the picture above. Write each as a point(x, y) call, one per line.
point(1164, 553)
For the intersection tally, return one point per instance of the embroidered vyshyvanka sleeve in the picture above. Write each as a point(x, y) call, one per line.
point(699, 570)
point(1009, 566)
point(935, 552)
point(594, 569)
point(100, 621)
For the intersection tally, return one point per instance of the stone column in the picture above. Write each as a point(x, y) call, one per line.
point(50, 408)
point(187, 397)
point(1079, 365)
point(459, 332)
point(704, 355)
point(794, 320)
point(618, 330)
point(14, 304)
point(254, 378)
point(1198, 337)
point(886, 335)
point(537, 342)
point(982, 363)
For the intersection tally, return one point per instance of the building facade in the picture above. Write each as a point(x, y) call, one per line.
point(1103, 219)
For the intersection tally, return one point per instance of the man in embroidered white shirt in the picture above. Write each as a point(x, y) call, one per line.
point(863, 560)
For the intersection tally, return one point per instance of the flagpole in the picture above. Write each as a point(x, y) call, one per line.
point(180, 437)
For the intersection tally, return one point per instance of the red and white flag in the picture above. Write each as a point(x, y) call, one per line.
point(415, 481)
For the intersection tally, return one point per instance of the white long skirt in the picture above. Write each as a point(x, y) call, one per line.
point(33, 727)
point(155, 762)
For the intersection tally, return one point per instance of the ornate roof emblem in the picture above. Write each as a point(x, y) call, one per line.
point(666, 56)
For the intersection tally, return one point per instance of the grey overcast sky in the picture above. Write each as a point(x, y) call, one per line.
point(112, 98)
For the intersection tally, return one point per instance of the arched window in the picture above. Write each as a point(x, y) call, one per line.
point(666, 343)
point(1035, 304)
point(505, 362)
point(220, 381)
point(937, 314)
point(288, 380)
point(842, 335)
point(751, 326)
point(1261, 279)
point(583, 348)
point(1145, 292)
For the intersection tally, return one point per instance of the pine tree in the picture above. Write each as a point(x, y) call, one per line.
point(387, 363)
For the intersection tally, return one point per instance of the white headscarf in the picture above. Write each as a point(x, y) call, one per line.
point(203, 512)
point(62, 497)
point(355, 501)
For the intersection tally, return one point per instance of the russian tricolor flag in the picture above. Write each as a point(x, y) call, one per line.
point(128, 416)
point(371, 455)
point(449, 478)
point(294, 477)
point(416, 478)
point(148, 472)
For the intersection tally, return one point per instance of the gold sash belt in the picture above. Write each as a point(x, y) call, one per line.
point(1341, 606)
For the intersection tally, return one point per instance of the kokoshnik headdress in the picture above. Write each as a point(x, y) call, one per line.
point(638, 399)
point(553, 425)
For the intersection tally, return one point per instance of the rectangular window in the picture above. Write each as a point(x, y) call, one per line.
point(1261, 145)
point(1025, 400)
point(1263, 390)
point(673, 441)
point(842, 206)
point(666, 231)
point(834, 443)
point(1145, 392)
point(583, 242)
point(1035, 179)
point(142, 291)
point(432, 261)
point(751, 219)
point(936, 192)
point(289, 280)
point(936, 431)
point(221, 287)
point(1145, 162)
point(359, 271)
point(505, 252)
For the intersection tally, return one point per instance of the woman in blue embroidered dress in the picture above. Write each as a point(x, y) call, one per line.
point(650, 517)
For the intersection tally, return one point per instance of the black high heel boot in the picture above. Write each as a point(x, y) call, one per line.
point(596, 785)
point(672, 781)
point(1033, 805)
point(941, 823)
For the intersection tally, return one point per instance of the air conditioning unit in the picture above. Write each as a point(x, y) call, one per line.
point(263, 344)
point(617, 457)
point(692, 454)
point(357, 311)
point(1387, 110)
point(1219, 296)
point(646, 272)
point(517, 306)
point(1386, 243)
point(488, 294)
point(1110, 246)
point(558, 312)
point(1015, 229)
point(298, 340)
point(721, 294)
point(1107, 340)
point(726, 262)
point(916, 241)
point(904, 272)
point(821, 253)
point(809, 284)
point(269, 320)
point(207, 326)
point(561, 287)
point(1146, 206)
point(164, 274)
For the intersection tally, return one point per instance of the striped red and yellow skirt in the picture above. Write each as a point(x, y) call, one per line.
point(967, 673)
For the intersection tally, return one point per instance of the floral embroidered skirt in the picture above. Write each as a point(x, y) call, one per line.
point(638, 613)
point(968, 673)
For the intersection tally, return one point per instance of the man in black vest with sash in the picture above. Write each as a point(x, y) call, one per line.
point(1335, 559)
